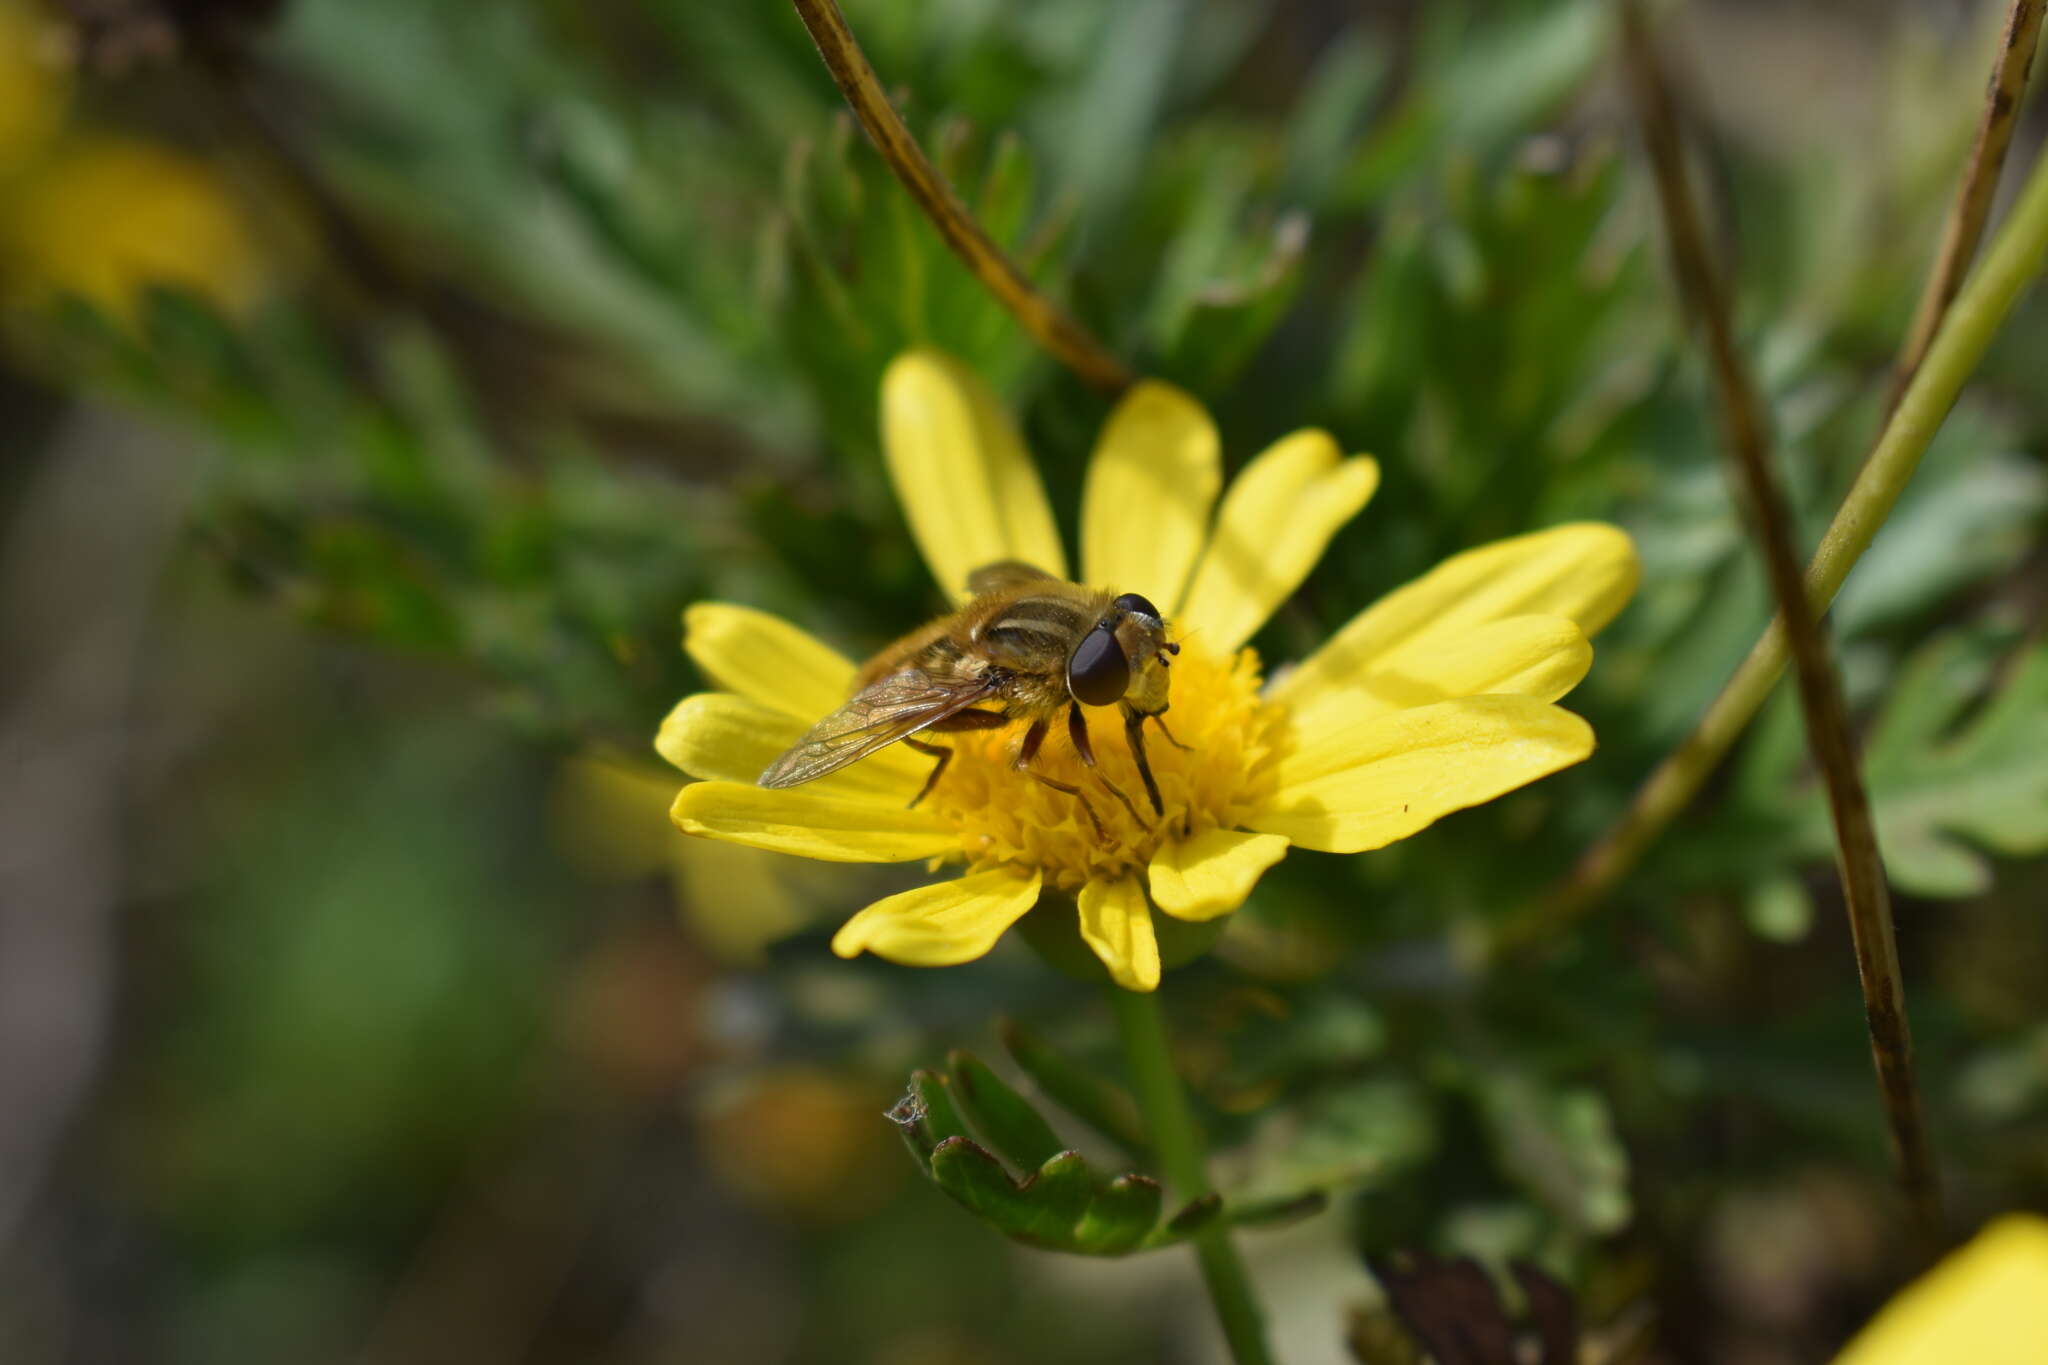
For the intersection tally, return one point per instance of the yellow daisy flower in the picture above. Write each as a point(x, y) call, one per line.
point(1986, 1304)
point(1436, 698)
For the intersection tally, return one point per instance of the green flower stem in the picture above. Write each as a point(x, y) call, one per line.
point(1979, 311)
point(1178, 1144)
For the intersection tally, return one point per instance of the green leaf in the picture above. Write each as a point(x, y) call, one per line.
point(926, 1115)
point(1987, 784)
point(1306, 1036)
point(1004, 1117)
point(978, 1181)
point(1362, 1133)
point(1060, 1203)
point(1096, 1101)
point(1198, 1214)
point(1276, 1212)
point(1061, 1192)
point(1943, 785)
point(1119, 1215)
point(1560, 1146)
point(1779, 909)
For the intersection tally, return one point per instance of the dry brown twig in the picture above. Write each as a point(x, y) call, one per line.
point(1820, 685)
point(1964, 229)
point(1679, 777)
point(1051, 326)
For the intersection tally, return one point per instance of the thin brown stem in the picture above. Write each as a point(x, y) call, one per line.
point(1972, 207)
point(1820, 685)
point(1049, 325)
point(1679, 777)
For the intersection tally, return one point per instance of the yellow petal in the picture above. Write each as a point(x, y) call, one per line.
point(1276, 520)
point(766, 659)
point(1117, 924)
point(809, 824)
point(941, 924)
point(606, 816)
point(1584, 571)
point(737, 900)
point(1212, 873)
point(1405, 770)
point(1151, 483)
point(1986, 1304)
point(1524, 656)
point(722, 737)
point(968, 488)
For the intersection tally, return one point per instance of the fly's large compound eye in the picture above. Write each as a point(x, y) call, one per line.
point(1136, 605)
point(1098, 673)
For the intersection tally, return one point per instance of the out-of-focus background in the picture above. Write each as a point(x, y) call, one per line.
point(382, 378)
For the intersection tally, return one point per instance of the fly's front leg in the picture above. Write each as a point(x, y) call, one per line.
point(1077, 731)
point(1158, 718)
point(1033, 738)
point(1134, 731)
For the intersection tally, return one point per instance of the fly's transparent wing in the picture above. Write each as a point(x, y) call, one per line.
point(878, 715)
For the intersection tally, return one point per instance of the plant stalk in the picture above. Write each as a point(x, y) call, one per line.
point(1980, 309)
point(1822, 703)
point(1177, 1142)
point(1971, 208)
point(1051, 326)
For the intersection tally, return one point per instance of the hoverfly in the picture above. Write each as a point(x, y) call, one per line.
point(1025, 648)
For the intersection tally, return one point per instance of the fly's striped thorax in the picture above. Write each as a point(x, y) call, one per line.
point(1038, 631)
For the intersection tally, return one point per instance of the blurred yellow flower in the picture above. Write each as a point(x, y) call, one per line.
point(800, 1140)
point(1437, 698)
point(1986, 1304)
point(609, 820)
point(105, 218)
point(35, 83)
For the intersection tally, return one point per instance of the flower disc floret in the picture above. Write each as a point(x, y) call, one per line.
point(1007, 818)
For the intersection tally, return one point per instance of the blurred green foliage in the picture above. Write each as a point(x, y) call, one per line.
point(591, 327)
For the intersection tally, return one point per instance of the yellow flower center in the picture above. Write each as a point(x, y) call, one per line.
point(1010, 818)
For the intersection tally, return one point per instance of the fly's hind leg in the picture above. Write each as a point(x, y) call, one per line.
point(938, 751)
point(1033, 738)
point(963, 720)
point(1077, 731)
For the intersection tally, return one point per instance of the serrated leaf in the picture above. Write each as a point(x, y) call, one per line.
point(1119, 1215)
point(975, 1178)
point(1061, 1191)
point(1061, 1203)
point(1944, 787)
point(1001, 1115)
point(1198, 1214)
point(1276, 1212)
point(1101, 1104)
point(926, 1115)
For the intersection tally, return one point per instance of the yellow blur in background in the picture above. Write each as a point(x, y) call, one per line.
point(101, 217)
point(1987, 1304)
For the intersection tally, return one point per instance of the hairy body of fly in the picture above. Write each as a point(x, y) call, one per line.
point(1026, 647)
